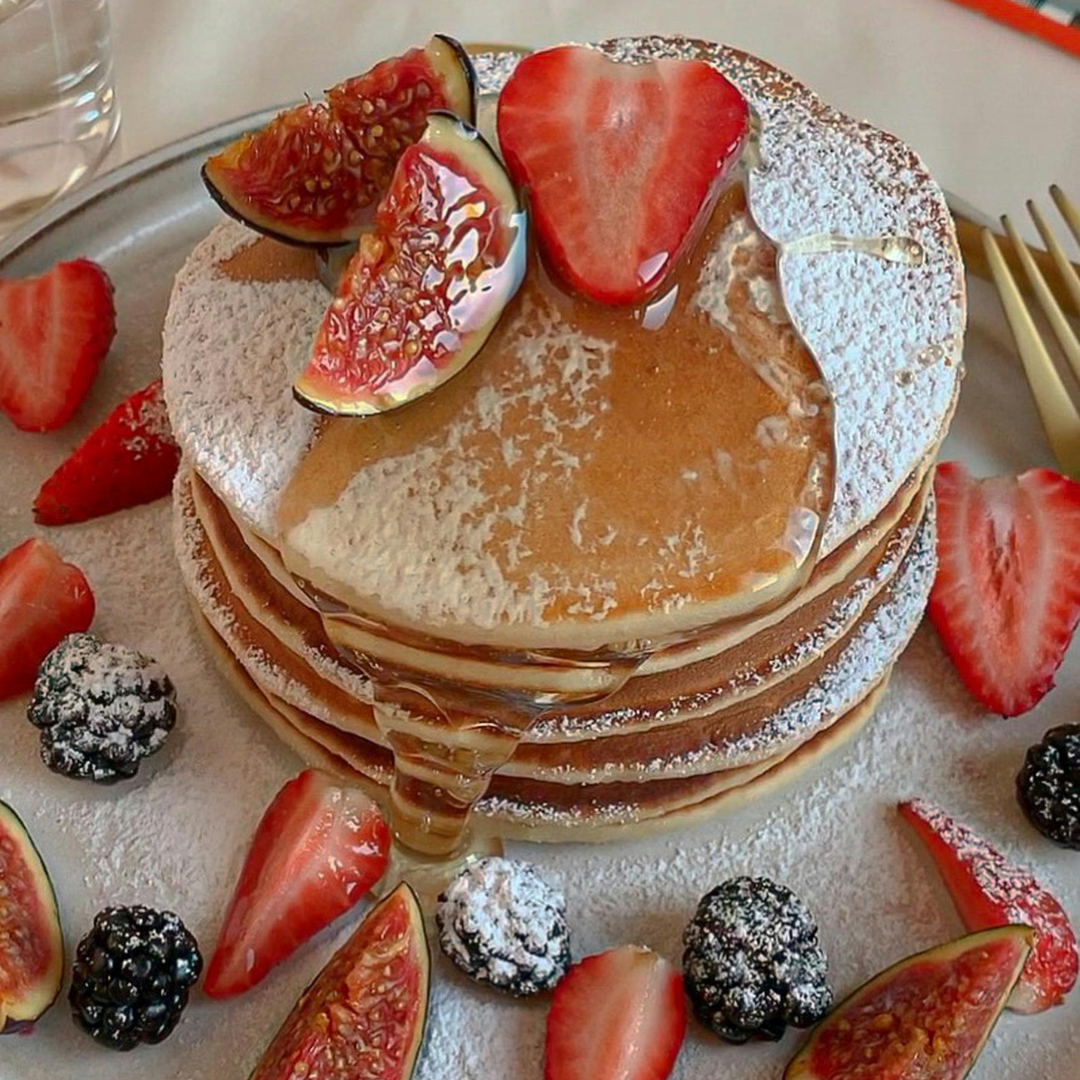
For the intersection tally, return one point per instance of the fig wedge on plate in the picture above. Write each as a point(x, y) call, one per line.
point(427, 286)
point(314, 174)
point(364, 1014)
point(31, 944)
point(925, 1018)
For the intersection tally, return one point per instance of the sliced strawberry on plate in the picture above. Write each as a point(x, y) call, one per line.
point(619, 1015)
point(989, 891)
point(54, 332)
point(1007, 596)
point(317, 850)
point(622, 162)
point(129, 459)
point(42, 599)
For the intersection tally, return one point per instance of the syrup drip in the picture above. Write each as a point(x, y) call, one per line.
point(895, 249)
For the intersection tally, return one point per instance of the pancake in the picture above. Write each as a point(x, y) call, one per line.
point(520, 815)
point(629, 567)
point(706, 753)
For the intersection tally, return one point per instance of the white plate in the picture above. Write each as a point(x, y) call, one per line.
point(175, 836)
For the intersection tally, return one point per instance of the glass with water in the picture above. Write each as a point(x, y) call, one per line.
point(58, 115)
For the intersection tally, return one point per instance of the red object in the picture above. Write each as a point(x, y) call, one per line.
point(989, 891)
point(42, 599)
point(1021, 17)
point(425, 289)
point(1007, 596)
point(363, 1016)
point(313, 173)
point(129, 459)
point(622, 162)
point(317, 850)
point(926, 1018)
point(619, 1015)
point(54, 333)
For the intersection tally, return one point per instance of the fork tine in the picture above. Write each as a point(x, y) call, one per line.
point(1057, 253)
point(1059, 416)
point(1058, 323)
point(1068, 210)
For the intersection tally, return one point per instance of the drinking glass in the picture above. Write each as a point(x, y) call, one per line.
point(58, 114)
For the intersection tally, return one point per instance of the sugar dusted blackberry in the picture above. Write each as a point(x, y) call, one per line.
point(502, 924)
point(753, 963)
point(101, 709)
point(1048, 785)
point(132, 975)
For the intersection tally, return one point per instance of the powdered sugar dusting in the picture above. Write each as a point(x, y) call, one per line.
point(500, 922)
point(175, 838)
point(468, 529)
point(230, 352)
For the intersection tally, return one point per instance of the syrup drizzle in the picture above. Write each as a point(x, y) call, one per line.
point(448, 738)
point(895, 249)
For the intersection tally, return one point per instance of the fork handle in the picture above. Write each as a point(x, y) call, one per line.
point(969, 234)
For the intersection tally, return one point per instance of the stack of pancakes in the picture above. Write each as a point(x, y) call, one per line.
point(686, 547)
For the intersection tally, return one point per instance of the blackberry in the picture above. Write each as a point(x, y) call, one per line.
point(1048, 786)
point(752, 963)
point(132, 975)
point(502, 924)
point(101, 708)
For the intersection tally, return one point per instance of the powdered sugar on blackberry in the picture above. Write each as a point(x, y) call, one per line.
point(101, 707)
point(501, 923)
point(228, 376)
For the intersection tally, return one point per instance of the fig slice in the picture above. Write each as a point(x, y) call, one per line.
point(926, 1018)
point(314, 174)
point(31, 942)
point(364, 1014)
point(427, 286)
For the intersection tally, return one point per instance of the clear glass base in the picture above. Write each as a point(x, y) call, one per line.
point(427, 875)
point(58, 114)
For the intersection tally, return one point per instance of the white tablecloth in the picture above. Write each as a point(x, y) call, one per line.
point(994, 113)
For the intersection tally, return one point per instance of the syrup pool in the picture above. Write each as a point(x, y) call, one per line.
point(631, 479)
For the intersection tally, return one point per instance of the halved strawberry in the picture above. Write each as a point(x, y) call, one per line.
point(623, 162)
point(128, 459)
point(54, 332)
point(317, 850)
point(619, 1015)
point(989, 892)
point(42, 599)
point(1007, 596)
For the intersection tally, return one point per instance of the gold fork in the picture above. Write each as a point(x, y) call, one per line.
point(1060, 416)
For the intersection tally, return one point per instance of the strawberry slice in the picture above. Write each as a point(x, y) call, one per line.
point(619, 1015)
point(623, 162)
point(54, 332)
point(42, 599)
point(317, 850)
point(1007, 596)
point(129, 459)
point(990, 892)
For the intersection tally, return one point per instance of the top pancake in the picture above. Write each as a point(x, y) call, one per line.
point(646, 542)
